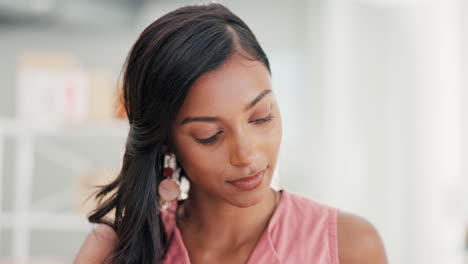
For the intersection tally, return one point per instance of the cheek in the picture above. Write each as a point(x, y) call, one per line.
point(272, 142)
point(198, 162)
point(273, 135)
point(274, 147)
point(275, 132)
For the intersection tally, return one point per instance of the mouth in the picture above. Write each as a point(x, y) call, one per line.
point(249, 182)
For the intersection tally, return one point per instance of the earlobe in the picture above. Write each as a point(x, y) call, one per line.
point(167, 146)
point(164, 148)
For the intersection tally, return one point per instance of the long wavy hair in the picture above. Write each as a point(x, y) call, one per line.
point(169, 55)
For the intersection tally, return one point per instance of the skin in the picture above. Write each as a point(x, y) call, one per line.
point(230, 220)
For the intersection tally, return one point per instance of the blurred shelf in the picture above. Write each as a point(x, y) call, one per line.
point(108, 128)
point(45, 221)
point(47, 142)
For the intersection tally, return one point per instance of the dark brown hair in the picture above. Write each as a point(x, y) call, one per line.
point(169, 55)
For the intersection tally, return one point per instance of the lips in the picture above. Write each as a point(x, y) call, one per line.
point(250, 182)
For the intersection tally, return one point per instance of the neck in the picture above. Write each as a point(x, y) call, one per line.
point(217, 224)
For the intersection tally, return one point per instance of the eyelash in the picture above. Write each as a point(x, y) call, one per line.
point(209, 140)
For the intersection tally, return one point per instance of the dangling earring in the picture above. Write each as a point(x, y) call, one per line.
point(168, 188)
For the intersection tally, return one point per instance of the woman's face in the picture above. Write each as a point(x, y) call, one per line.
point(229, 127)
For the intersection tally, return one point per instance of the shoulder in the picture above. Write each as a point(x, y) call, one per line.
point(97, 245)
point(303, 205)
point(306, 214)
point(358, 241)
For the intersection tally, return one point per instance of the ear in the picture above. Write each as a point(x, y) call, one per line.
point(165, 149)
point(167, 146)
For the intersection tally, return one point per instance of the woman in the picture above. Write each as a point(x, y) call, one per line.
point(198, 97)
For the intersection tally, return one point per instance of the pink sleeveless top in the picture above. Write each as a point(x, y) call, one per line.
point(300, 231)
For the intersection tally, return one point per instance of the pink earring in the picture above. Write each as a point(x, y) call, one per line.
point(169, 189)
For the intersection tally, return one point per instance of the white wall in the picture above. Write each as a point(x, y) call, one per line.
point(390, 107)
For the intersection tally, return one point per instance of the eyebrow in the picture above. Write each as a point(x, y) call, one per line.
point(214, 118)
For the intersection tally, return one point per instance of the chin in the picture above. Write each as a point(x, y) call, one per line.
point(244, 199)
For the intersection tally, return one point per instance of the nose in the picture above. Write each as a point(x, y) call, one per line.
point(243, 152)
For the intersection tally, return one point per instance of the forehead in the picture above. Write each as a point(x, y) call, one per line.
point(228, 89)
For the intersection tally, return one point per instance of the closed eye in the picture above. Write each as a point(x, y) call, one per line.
point(263, 120)
point(213, 138)
point(210, 139)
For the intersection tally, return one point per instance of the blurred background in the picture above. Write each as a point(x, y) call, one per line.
point(373, 95)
